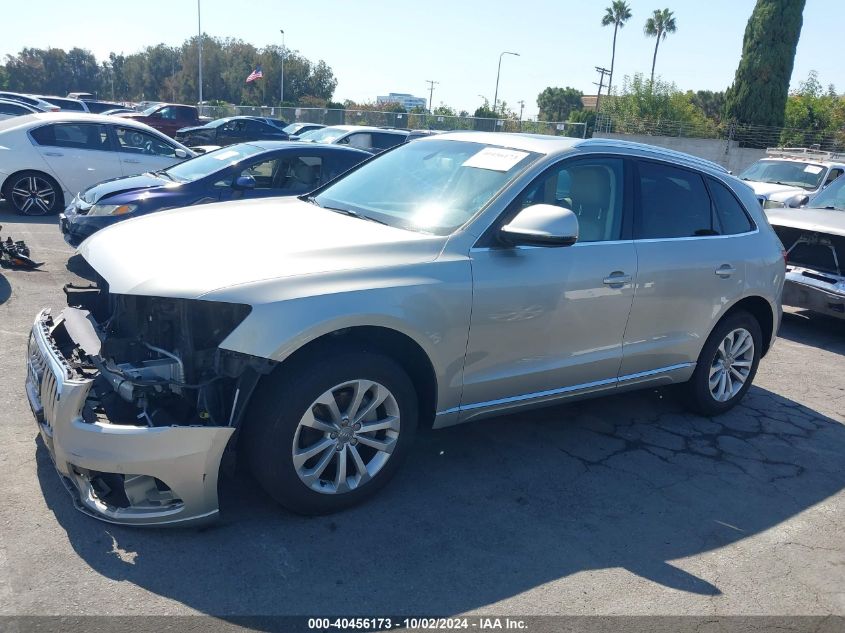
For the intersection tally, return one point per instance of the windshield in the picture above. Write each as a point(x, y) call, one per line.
point(324, 135)
point(429, 186)
point(149, 110)
point(207, 164)
point(793, 173)
point(832, 196)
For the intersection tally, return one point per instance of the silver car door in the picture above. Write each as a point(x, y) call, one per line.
point(549, 321)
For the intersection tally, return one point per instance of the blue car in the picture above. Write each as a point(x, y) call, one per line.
point(246, 170)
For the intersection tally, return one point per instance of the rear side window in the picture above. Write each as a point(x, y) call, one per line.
point(73, 135)
point(12, 108)
point(730, 216)
point(386, 141)
point(673, 203)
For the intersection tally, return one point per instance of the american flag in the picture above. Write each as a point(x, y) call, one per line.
point(255, 74)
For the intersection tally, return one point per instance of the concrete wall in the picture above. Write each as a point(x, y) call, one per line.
point(726, 153)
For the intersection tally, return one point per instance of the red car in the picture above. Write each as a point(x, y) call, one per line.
point(166, 117)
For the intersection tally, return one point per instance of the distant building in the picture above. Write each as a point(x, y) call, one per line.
point(407, 101)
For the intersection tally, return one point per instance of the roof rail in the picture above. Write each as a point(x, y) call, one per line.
point(803, 152)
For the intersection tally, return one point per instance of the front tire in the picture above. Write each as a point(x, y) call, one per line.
point(727, 364)
point(33, 193)
point(329, 432)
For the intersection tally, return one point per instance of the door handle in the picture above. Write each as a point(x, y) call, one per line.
point(617, 278)
point(53, 154)
point(725, 270)
point(131, 160)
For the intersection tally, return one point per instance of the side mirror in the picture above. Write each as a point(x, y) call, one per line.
point(542, 225)
point(244, 182)
point(180, 153)
point(798, 200)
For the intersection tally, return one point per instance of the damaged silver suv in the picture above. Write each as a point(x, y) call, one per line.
point(453, 278)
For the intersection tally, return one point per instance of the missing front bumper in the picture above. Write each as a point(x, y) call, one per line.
point(818, 292)
point(132, 475)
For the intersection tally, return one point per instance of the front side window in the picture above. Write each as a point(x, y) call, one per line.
point(386, 141)
point(297, 174)
point(592, 189)
point(427, 186)
point(14, 109)
point(673, 203)
point(88, 136)
point(133, 141)
point(833, 175)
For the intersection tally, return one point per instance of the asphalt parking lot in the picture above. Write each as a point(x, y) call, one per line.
point(626, 505)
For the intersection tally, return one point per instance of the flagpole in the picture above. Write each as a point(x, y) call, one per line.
point(199, 40)
point(282, 80)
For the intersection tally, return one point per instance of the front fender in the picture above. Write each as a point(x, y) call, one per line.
point(432, 309)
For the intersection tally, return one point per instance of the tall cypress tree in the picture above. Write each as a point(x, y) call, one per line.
point(761, 85)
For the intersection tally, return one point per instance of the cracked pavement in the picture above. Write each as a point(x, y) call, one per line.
point(625, 505)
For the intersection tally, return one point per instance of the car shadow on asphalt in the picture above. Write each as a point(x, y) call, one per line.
point(816, 330)
point(7, 215)
point(483, 512)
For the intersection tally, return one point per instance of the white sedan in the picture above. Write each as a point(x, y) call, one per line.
point(47, 158)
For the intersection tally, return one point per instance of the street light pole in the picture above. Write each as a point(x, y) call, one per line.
point(282, 80)
point(499, 72)
point(199, 42)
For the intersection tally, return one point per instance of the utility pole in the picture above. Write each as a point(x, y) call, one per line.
point(600, 84)
point(431, 83)
point(521, 108)
point(199, 42)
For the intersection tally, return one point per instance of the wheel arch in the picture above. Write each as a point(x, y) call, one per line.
point(10, 178)
point(761, 310)
point(397, 345)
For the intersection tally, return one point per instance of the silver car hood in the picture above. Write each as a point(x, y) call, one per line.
point(190, 252)
point(769, 188)
point(830, 221)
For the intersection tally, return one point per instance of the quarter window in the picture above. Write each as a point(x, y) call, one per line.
point(730, 215)
point(592, 189)
point(673, 203)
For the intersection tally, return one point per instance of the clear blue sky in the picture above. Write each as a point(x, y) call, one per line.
point(380, 46)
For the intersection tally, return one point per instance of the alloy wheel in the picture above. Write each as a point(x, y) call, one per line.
point(33, 195)
point(731, 365)
point(346, 436)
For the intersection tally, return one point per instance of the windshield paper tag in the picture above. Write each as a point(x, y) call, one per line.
point(225, 155)
point(495, 158)
point(813, 169)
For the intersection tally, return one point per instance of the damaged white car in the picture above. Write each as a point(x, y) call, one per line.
point(790, 176)
point(453, 278)
point(814, 238)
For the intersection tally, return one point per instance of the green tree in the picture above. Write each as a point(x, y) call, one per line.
point(761, 84)
point(616, 14)
point(711, 104)
point(556, 103)
point(813, 115)
point(658, 26)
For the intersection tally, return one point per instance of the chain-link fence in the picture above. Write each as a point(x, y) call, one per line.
point(756, 136)
point(403, 120)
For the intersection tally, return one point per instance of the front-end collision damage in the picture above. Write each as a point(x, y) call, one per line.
point(136, 402)
point(815, 270)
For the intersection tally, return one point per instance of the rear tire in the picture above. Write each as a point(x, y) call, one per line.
point(33, 193)
point(727, 365)
point(328, 432)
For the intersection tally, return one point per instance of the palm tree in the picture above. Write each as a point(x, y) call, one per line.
point(616, 14)
point(658, 26)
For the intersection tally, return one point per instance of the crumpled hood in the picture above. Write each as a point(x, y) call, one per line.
point(190, 252)
point(122, 185)
point(773, 190)
point(829, 221)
